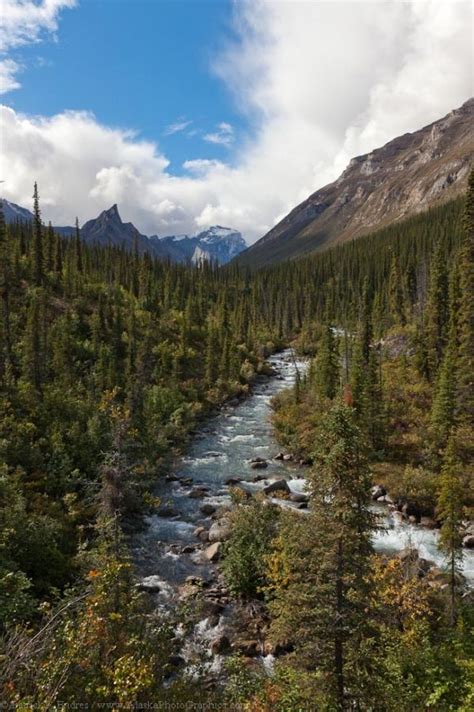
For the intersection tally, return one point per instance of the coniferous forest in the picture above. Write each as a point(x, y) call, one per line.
point(111, 361)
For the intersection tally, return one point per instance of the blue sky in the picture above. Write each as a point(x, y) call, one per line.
point(269, 100)
point(140, 64)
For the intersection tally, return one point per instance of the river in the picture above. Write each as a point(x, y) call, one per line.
point(167, 551)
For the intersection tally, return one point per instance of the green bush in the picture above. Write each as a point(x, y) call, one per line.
point(253, 528)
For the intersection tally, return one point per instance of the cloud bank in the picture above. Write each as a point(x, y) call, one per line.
point(319, 83)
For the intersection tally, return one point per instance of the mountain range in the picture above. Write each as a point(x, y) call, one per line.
point(217, 243)
point(408, 175)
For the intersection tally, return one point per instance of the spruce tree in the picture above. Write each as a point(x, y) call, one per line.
point(465, 385)
point(395, 290)
point(33, 353)
point(324, 606)
point(5, 285)
point(326, 365)
point(436, 310)
point(450, 510)
point(444, 411)
point(78, 248)
point(38, 267)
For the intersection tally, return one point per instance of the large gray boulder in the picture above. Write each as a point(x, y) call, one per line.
point(219, 531)
point(213, 552)
point(277, 486)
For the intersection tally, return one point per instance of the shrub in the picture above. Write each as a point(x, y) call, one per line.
point(253, 528)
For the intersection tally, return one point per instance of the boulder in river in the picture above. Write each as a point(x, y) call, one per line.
point(378, 491)
point(428, 522)
point(468, 541)
point(198, 492)
point(280, 456)
point(258, 463)
point(167, 511)
point(219, 531)
point(185, 481)
point(207, 509)
point(150, 584)
point(172, 477)
point(233, 481)
point(213, 552)
point(288, 457)
point(298, 497)
point(220, 645)
point(201, 533)
point(277, 486)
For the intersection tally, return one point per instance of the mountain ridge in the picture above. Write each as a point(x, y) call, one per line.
point(409, 174)
point(216, 243)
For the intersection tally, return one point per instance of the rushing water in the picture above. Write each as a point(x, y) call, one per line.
point(222, 450)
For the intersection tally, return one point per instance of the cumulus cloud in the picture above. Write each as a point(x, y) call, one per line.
point(24, 22)
point(223, 135)
point(319, 83)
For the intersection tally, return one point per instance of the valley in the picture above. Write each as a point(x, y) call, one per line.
point(237, 486)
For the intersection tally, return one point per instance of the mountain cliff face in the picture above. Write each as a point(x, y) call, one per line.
point(217, 243)
point(406, 176)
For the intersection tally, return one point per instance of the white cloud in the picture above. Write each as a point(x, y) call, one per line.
point(223, 135)
point(180, 125)
point(319, 83)
point(24, 22)
point(201, 166)
point(8, 71)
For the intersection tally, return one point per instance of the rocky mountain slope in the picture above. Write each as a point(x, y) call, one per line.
point(217, 243)
point(406, 176)
point(14, 212)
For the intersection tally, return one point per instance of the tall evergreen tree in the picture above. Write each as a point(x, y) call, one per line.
point(5, 285)
point(78, 247)
point(324, 606)
point(326, 366)
point(450, 510)
point(465, 390)
point(395, 290)
point(38, 266)
point(436, 310)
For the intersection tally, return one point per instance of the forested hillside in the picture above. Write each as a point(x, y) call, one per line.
point(108, 362)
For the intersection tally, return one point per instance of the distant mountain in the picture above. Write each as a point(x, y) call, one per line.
point(406, 176)
point(180, 248)
point(108, 229)
point(14, 212)
point(217, 243)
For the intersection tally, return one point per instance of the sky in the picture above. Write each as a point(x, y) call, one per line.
point(191, 113)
